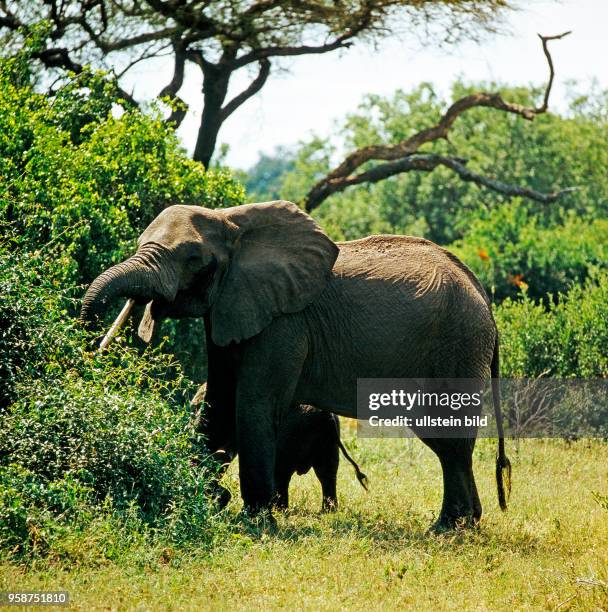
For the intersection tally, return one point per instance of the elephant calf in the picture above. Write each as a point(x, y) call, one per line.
point(307, 438)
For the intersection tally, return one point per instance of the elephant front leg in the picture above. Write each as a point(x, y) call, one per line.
point(256, 433)
point(270, 366)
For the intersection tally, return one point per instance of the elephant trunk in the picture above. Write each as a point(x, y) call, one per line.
point(146, 275)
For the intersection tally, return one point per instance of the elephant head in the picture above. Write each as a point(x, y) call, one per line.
point(242, 266)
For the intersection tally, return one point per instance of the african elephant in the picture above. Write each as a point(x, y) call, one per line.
point(293, 318)
point(308, 438)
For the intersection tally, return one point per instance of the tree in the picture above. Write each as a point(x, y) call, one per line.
point(224, 36)
point(263, 180)
point(405, 156)
point(550, 153)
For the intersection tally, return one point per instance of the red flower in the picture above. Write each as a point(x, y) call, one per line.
point(517, 280)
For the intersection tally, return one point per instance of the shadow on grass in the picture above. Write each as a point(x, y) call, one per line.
point(301, 526)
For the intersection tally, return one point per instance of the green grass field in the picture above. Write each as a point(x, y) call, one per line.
point(549, 551)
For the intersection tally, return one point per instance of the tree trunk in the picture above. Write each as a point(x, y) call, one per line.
point(215, 88)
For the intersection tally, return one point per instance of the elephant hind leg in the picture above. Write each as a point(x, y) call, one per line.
point(326, 468)
point(461, 505)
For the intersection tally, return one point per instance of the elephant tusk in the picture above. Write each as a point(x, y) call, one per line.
point(118, 323)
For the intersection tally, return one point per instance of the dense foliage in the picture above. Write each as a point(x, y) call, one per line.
point(81, 177)
point(511, 250)
point(87, 439)
point(567, 339)
point(89, 444)
point(85, 176)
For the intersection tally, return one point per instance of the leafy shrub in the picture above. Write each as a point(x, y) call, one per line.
point(85, 436)
point(86, 175)
point(509, 249)
point(568, 339)
point(30, 505)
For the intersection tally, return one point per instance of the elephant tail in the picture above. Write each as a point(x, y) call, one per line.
point(361, 477)
point(503, 465)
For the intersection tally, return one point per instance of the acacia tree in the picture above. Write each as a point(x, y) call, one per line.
point(222, 37)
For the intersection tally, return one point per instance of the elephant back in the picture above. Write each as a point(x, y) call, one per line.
point(407, 261)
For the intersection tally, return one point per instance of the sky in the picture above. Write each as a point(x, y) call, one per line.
point(315, 92)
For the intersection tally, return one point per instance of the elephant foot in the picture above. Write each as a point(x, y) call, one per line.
point(445, 524)
point(329, 505)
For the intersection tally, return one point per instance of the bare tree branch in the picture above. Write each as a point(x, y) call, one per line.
point(258, 54)
point(428, 163)
point(60, 58)
point(342, 177)
point(247, 93)
point(545, 40)
point(510, 190)
point(189, 17)
point(134, 41)
point(7, 19)
point(153, 51)
point(180, 108)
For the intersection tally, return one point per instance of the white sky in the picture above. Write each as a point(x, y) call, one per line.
point(318, 90)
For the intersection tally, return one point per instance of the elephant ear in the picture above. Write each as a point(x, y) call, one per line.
point(280, 262)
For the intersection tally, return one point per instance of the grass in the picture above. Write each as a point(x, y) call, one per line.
point(549, 551)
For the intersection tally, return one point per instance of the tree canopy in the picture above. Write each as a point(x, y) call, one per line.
point(221, 37)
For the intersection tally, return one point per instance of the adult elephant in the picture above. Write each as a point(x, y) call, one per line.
point(293, 318)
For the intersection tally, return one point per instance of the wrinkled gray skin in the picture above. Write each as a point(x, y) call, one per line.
point(308, 438)
point(293, 318)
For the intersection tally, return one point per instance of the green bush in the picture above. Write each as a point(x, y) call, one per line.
point(83, 433)
point(566, 339)
point(30, 507)
point(80, 172)
point(508, 248)
point(542, 344)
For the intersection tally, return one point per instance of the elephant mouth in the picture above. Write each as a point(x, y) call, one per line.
point(187, 303)
point(150, 277)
